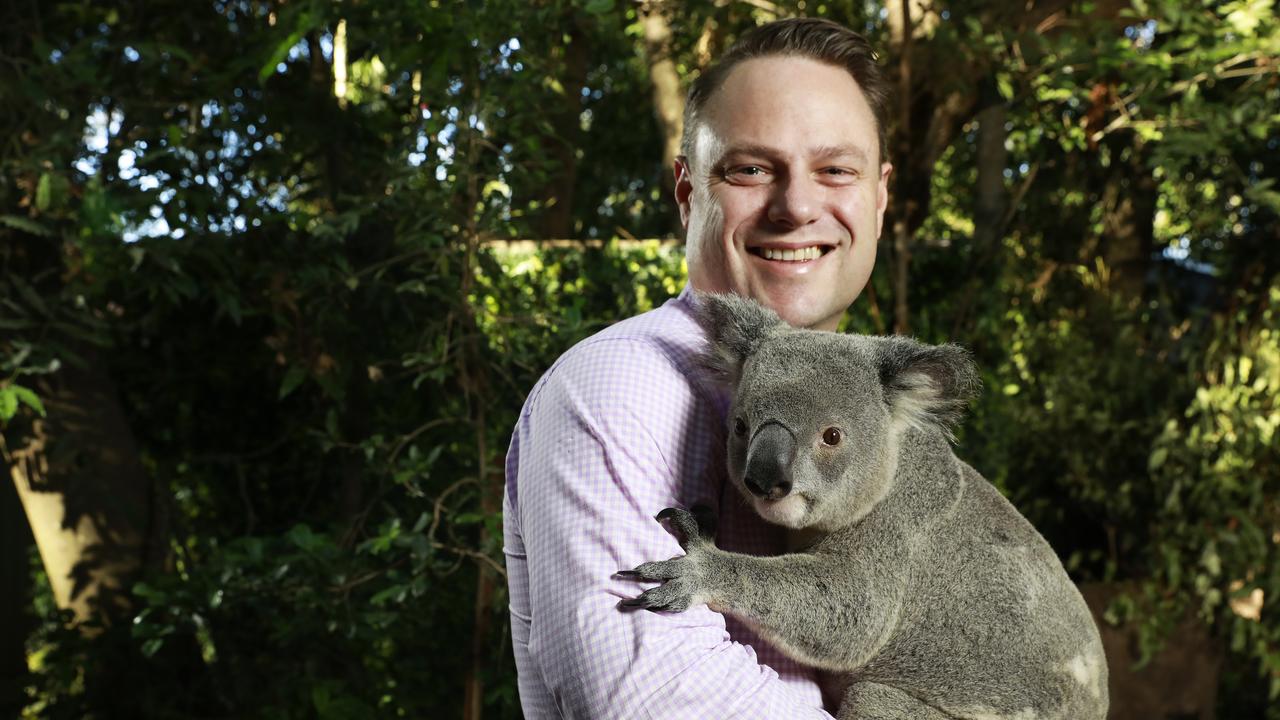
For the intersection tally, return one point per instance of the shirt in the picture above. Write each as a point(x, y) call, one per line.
point(623, 425)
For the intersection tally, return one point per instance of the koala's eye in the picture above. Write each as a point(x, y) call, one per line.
point(739, 427)
point(831, 436)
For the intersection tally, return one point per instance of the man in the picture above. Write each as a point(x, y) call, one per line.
point(782, 189)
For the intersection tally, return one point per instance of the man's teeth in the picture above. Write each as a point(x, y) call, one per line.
point(791, 255)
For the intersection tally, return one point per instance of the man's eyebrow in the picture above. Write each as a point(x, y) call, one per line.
point(752, 149)
point(819, 152)
point(831, 152)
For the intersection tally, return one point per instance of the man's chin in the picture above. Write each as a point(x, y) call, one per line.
point(807, 304)
point(803, 312)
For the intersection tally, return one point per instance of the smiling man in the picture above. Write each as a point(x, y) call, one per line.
point(782, 189)
point(782, 186)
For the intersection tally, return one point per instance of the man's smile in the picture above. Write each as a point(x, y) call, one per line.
point(790, 253)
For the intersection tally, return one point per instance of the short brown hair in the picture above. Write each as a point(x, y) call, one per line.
point(814, 38)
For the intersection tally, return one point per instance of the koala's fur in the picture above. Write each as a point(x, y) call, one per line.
point(924, 589)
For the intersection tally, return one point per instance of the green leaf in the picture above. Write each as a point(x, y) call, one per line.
point(44, 192)
point(8, 403)
point(281, 52)
point(292, 380)
point(149, 48)
point(6, 324)
point(1262, 194)
point(29, 294)
point(1005, 85)
point(395, 593)
point(146, 592)
point(320, 699)
point(599, 7)
point(304, 537)
point(1158, 458)
point(26, 225)
point(419, 546)
point(421, 524)
point(28, 398)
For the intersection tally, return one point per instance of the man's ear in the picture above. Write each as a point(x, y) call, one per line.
point(927, 385)
point(736, 327)
point(684, 188)
point(882, 195)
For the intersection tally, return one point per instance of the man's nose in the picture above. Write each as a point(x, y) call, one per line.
point(795, 202)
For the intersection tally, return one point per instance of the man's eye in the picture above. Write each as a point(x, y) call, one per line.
point(838, 176)
point(746, 173)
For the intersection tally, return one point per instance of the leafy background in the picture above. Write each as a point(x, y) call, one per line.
point(276, 275)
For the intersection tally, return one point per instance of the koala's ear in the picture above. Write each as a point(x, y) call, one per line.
point(736, 326)
point(927, 385)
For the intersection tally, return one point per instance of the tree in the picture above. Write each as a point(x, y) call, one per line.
point(267, 243)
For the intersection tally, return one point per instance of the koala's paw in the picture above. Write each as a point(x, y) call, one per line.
point(680, 578)
point(677, 592)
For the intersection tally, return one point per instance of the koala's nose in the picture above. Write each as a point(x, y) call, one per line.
point(768, 460)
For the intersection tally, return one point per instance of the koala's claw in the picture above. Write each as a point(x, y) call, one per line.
point(696, 525)
point(679, 577)
point(673, 596)
point(656, 571)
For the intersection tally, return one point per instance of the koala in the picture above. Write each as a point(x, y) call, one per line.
point(920, 587)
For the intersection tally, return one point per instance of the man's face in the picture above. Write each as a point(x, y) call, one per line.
point(785, 195)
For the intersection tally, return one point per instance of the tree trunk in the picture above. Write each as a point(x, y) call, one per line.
point(900, 24)
point(989, 194)
point(1180, 682)
point(84, 491)
point(486, 585)
point(15, 574)
point(557, 218)
point(668, 101)
point(1129, 206)
point(990, 202)
point(474, 381)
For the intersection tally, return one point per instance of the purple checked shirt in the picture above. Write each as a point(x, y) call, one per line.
point(623, 425)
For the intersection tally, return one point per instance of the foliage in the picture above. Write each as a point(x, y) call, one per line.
point(1217, 471)
point(321, 324)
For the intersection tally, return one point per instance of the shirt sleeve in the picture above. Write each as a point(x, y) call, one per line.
point(614, 434)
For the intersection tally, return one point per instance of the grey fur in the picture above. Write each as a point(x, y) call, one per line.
point(923, 588)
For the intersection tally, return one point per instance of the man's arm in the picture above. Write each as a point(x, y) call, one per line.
point(612, 437)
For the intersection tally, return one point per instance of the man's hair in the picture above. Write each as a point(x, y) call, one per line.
point(813, 38)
